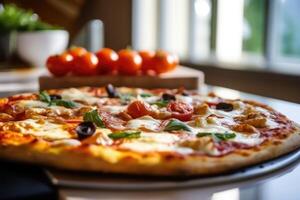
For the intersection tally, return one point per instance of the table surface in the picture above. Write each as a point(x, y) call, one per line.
point(30, 182)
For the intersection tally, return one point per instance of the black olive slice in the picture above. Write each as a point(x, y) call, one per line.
point(168, 97)
point(224, 106)
point(111, 91)
point(85, 129)
point(55, 97)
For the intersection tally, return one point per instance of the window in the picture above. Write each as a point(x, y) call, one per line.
point(242, 33)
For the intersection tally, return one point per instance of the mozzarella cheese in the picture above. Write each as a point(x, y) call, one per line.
point(44, 129)
point(114, 109)
point(146, 122)
point(75, 94)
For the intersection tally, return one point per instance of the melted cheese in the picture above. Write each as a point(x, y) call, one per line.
point(144, 122)
point(32, 104)
point(43, 129)
point(113, 109)
point(151, 142)
point(184, 99)
point(75, 94)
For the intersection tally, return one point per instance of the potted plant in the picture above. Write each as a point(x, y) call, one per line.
point(33, 39)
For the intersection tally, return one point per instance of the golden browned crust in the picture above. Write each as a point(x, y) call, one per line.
point(104, 159)
point(107, 159)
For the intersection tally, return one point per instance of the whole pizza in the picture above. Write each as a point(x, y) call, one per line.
point(165, 132)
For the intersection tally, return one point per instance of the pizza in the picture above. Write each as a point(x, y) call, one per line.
point(161, 132)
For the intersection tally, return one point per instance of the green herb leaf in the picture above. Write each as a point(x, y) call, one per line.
point(225, 136)
point(218, 136)
point(93, 116)
point(125, 134)
point(145, 95)
point(203, 134)
point(175, 125)
point(67, 104)
point(44, 96)
point(161, 103)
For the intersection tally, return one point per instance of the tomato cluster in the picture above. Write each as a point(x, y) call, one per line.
point(79, 62)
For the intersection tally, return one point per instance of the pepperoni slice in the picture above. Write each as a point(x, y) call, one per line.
point(111, 121)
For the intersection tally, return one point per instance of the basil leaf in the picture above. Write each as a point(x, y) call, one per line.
point(203, 134)
point(175, 125)
point(45, 97)
point(60, 102)
point(93, 116)
point(161, 103)
point(218, 136)
point(125, 134)
point(225, 136)
point(145, 95)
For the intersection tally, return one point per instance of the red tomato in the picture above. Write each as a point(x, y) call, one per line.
point(85, 65)
point(59, 65)
point(138, 109)
point(163, 62)
point(180, 110)
point(147, 57)
point(77, 51)
point(129, 62)
point(107, 60)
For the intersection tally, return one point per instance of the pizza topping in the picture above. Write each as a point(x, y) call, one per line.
point(111, 92)
point(217, 136)
point(224, 106)
point(124, 134)
point(44, 96)
point(55, 97)
point(161, 103)
point(144, 123)
point(73, 94)
point(94, 117)
point(246, 128)
point(111, 121)
point(5, 117)
point(168, 97)
point(180, 110)
point(55, 100)
point(39, 128)
point(85, 129)
point(174, 125)
point(203, 144)
point(145, 95)
point(138, 109)
point(201, 109)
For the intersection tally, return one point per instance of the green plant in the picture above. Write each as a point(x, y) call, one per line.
point(13, 18)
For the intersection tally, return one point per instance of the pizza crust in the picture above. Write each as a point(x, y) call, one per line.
point(98, 158)
point(112, 161)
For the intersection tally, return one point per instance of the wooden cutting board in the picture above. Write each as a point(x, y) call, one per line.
point(181, 77)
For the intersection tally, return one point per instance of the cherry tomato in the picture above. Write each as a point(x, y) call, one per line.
point(85, 65)
point(180, 110)
point(147, 57)
point(77, 51)
point(138, 109)
point(129, 62)
point(59, 65)
point(163, 62)
point(107, 60)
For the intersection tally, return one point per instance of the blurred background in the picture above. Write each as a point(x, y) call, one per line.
point(249, 45)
